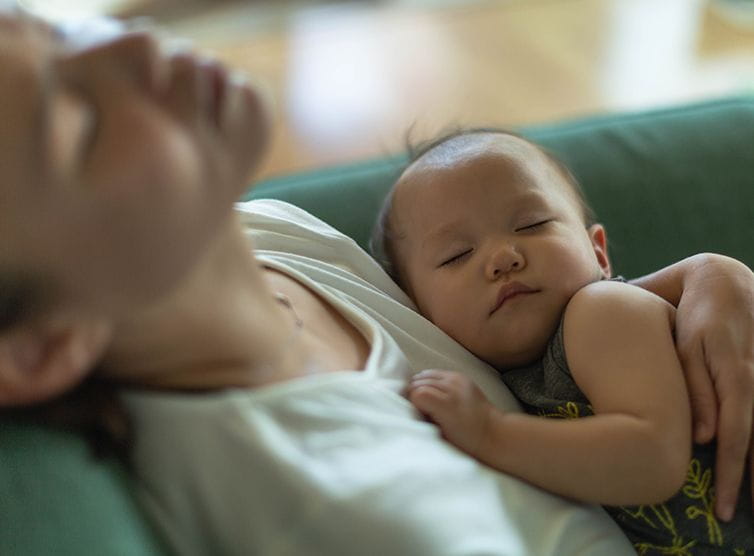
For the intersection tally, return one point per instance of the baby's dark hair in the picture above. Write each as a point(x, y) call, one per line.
point(383, 236)
point(91, 409)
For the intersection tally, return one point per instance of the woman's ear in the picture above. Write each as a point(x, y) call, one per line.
point(43, 360)
point(598, 237)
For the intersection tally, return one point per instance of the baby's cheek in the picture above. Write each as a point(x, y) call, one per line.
point(456, 323)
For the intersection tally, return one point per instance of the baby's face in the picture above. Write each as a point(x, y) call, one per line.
point(493, 245)
point(118, 164)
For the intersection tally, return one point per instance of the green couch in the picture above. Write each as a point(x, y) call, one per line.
point(667, 183)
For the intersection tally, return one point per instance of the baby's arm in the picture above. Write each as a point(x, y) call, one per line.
point(635, 450)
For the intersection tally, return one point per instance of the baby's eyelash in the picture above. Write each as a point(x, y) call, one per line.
point(455, 258)
point(534, 226)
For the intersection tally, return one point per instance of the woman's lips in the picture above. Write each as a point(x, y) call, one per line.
point(510, 290)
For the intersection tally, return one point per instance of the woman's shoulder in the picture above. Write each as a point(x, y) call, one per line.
point(278, 227)
point(272, 214)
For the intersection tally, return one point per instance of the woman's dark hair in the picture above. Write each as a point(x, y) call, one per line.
point(383, 236)
point(92, 409)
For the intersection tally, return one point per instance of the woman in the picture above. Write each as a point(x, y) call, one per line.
point(265, 390)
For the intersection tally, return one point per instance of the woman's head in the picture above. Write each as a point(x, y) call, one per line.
point(118, 166)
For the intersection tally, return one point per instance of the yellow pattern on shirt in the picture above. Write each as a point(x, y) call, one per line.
point(697, 488)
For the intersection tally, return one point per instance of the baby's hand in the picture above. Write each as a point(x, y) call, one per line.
point(455, 404)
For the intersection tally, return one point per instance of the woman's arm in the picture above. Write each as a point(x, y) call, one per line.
point(636, 448)
point(715, 341)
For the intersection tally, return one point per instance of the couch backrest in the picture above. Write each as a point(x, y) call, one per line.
point(666, 183)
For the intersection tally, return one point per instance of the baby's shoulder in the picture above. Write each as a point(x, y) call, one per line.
point(610, 295)
point(615, 306)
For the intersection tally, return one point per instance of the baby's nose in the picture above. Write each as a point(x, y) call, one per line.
point(503, 260)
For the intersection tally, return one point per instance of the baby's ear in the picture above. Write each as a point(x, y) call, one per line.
point(598, 236)
point(42, 360)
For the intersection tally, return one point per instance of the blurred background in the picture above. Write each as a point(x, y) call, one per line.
point(350, 78)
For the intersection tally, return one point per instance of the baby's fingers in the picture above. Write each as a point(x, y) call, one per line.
point(433, 374)
point(429, 400)
point(441, 380)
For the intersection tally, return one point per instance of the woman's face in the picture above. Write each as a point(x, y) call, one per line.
point(118, 164)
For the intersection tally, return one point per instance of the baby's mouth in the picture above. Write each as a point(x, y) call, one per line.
point(509, 291)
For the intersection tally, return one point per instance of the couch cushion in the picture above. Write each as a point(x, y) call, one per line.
point(55, 499)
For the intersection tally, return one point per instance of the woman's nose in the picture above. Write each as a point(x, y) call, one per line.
point(503, 260)
point(134, 54)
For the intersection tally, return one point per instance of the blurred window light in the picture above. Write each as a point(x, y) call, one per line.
point(650, 50)
point(65, 10)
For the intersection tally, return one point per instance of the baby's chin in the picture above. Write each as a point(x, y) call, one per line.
point(521, 358)
point(527, 349)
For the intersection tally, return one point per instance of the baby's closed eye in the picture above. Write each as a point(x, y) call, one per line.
point(533, 226)
point(455, 257)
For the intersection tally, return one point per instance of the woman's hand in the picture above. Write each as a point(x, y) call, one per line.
point(455, 404)
point(714, 295)
point(715, 342)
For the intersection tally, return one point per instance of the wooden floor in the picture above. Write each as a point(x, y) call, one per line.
point(350, 79)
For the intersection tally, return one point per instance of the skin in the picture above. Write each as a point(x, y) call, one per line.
point(128, 138)
point(503, 215)
point(717, 354)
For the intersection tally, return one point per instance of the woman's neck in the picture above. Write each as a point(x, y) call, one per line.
point(221, 327)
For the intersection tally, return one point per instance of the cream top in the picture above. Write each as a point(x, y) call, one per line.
point(341, 463)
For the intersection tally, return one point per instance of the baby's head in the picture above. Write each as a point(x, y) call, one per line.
point(490, 236)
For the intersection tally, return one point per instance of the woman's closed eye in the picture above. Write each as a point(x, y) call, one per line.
point(90, 131)
point(456, 258)
point(73, 121)
point(87, 124)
